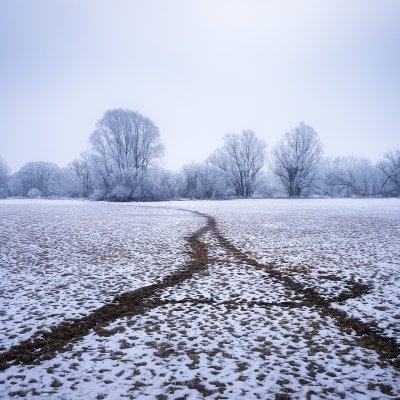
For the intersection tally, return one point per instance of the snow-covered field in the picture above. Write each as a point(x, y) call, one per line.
point(284, 300)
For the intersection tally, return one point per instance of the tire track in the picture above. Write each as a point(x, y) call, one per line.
point(45, 345)
point(368, 335)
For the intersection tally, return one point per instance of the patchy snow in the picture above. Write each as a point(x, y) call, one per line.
point(212, 351)
point(232, 330)
point(324, 243)
point(63, 259)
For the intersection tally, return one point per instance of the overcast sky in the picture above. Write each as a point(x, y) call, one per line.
point(198, 69)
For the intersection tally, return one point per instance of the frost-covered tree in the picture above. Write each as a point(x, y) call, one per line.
point(4, 177)
point(123, 146)
point(351, 176)
point(296, 159)
point(70, 185)
point(390, 167)
point(202, 181)
point(158, 184)
point(240, 159)
point(40, 175)
point(269, 185)
point(34, 193)
point(83, 171)
point(168, 187)
point(190, 181)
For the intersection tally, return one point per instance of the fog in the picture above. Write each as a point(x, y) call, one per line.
point(199, 70)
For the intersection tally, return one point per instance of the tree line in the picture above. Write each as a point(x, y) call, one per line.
point(122, 164)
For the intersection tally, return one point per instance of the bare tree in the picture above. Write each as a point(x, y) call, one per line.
point(40, 175)
point(83, 172)
point(4, 176)
point(124, 145)
point(190, 174)
point(351, 176)
point(157, 184)
point(167, 184)
point(390, 167)
point(241, 159)
point(202, 181)
point(70, 185)
point(295, 160)
point(269, 185)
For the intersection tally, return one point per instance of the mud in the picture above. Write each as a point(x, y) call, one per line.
point(44, 345)
point(368, 335)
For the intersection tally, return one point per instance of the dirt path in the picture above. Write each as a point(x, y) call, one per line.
point(368, 335)
point(45, 345)
point(61, 337)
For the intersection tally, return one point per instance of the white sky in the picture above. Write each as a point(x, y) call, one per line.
point(198, 69)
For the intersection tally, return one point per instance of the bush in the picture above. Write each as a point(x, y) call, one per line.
point(121, 193)
point(34, 193)
point(98, 194)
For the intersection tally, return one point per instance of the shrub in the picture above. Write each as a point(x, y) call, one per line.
point(34, 193)
point(121, 193)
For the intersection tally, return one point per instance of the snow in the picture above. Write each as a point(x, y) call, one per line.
point(67, 258)
point(324, 243)
point(232, 330)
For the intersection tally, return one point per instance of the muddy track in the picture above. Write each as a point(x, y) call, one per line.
point(368, 335)
point(44, 345)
